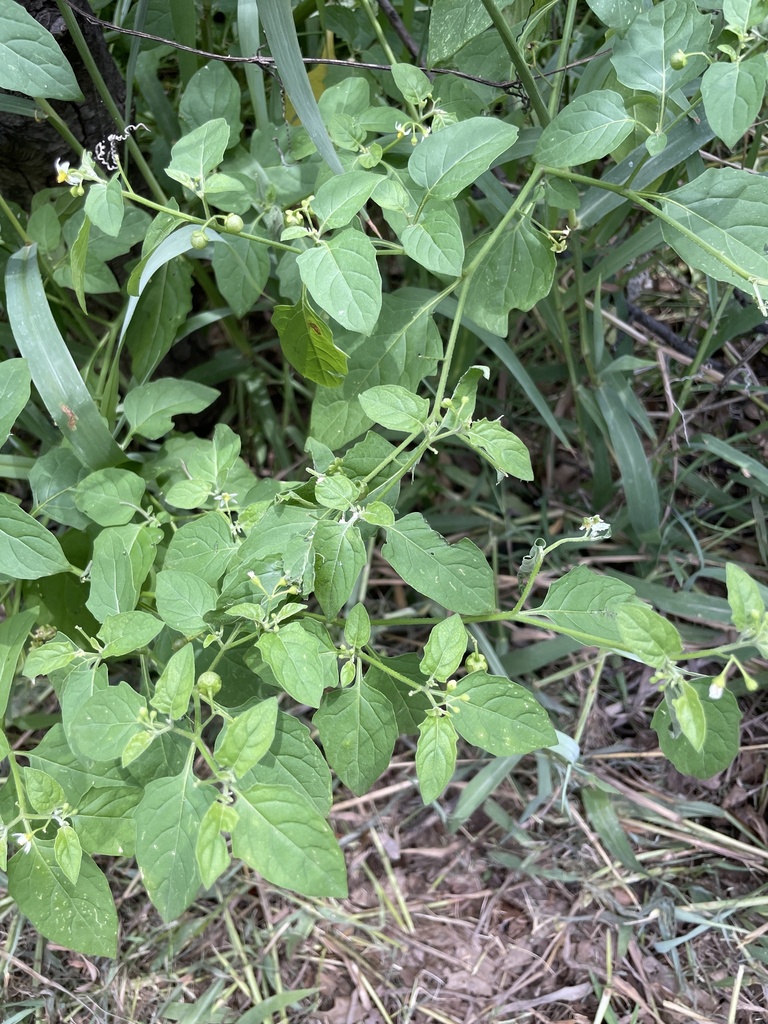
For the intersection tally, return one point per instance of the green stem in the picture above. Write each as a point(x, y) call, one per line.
point(15, 222)
point(413, 684)
point(60, 125)
point(518, 60)
point(558, 80)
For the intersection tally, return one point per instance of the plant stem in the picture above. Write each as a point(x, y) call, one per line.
point(558, 81)
point(518, 59)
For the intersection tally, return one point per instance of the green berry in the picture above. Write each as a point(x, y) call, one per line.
point(198, 239)
point(233, 222)
point(476, 663)
point(678, 60)
point(209, 684)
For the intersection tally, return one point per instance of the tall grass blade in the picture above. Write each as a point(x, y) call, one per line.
point(277, 19)
point(53, 370)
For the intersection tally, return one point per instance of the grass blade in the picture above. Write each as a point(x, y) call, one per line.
point(53, 370)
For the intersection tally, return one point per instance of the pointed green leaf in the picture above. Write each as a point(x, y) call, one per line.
point(307, 344)
point(211, 849)
point(183, 601)
point(197, 153)
point(27, 550)
point(338, 200)
point(435, 240)
point(14, 393)
point(500, 716)
point(31, 61)
point(584, 605)
point(110, 497)
point(358, 729)
point(246, 739)
point(149, 408)
point(241, 268)
point(747, 606)
point(503, 449)
point(339, 559)
point(435, 756)
point(446, 161)
point(590, 127)
point(395, 408)
point(733, 95)
point(687, 712)
point(647, 635)
point(107, 720)
point(14, 631)
point(722, 717)
point(127, 632)
point(303, 664)
point(342, 277)
point(174, 687)
point(294, 760)
point(68, 852)
point(122, 558)
point(104, 206)
point(445, 648)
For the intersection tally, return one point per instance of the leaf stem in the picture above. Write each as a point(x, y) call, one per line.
point(518, 59)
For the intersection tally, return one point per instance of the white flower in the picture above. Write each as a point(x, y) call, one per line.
point(595, 528)
point(24, 839)
point(64, 175)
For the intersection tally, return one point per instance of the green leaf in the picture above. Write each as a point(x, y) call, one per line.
point(241, 268)
point(183, 601)
point(444, 649)
point(457, 576)
point(584, 605)
point(280, 834)
point(197, 153)
point(77, 916)
point(435, 756)
point(687, 712)
point(149, 408)
point(294, 760)
point(211, 849)
point(357, 627)
point(342, 277)
point(454, 23)
point(339, 559)
point(412, 83)
point(747, 606)
point(53, 479)
point(78, 262)
point(500, 716)
point(14, 631)
point(307, 344)
point(303, 664)
point(122, 558)
point(395, 408)
point(168, 820)
point(642, 59)
point(338, 200)
point(503, 449)
point(435, 240)
point(647, 635)
point(445, 162)
point(104, 206)
point(721, 716)
point(14, 393)
point(460, 407)
point(335, 491)
point(588, 128)
point(127, 632)
point(744, 14)
point(174, 687)
point(358, 729)
point(107, 721)
point(43, 792)
point(516, 273)
point(163, 307)
point(27, 550)
point(110, 497)
point(53, 370)
point(246, 739)
point(733, 95)
point(212, 92)
point(54, 755)
point(31, 60)
point(617, 14)
point(203, 547)
point(403, 350)
point(68, 852)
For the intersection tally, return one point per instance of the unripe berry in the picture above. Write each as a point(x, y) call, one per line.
point(476, 662)
point(678, 60)
point(198, 239)
point(233, 222)
point(209, 684)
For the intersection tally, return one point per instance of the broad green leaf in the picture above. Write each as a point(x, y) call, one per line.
point(27, 550)
point(687, 712)
point(303, 664)
point(107, 720)
point(212, 92)
point(503, 449)
point(68, 852)
point(174, 687)
point(618, 14)
point(149, 408)
point(168, 820)
point(247, 738)
point(104, 206)
point(435, 756)
point(336, 491)
point(164, 306)
point(515, 274)
point(722, 717)
point(135, 747)
point(31, 61)
point(584, 605)
point(460, 407)
point(241, 268)
point(339, 559)
point(454, 23)
point(51, 365)
point(211, 848)
point(110, 497)
point(457, 576)
point(412, 83)
point(747, 606)
point(727, 209)
point(338, 200)
point(14, 393)
point(307, 344)
point(122, 558)
point(183, 600)
point(357, 627)
point(744, 14)
point(446, 161)
point(642, 59)
point(127, 632)
point(409, 703)
point(54, 755)
point(733, 95)
point(500, 716)
point(14, 631)
point(395, 408)
point(647, 635)
point(75, 684)
point(51, 657)
point(294, 760)
point(280, 834)
point(77, 916)
point(358, 729)
point(590, 127)
point(342, 277)
point(43, 792)
point(404, 349)
point(435, 240)
point(197, 153)
point(445, 649)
